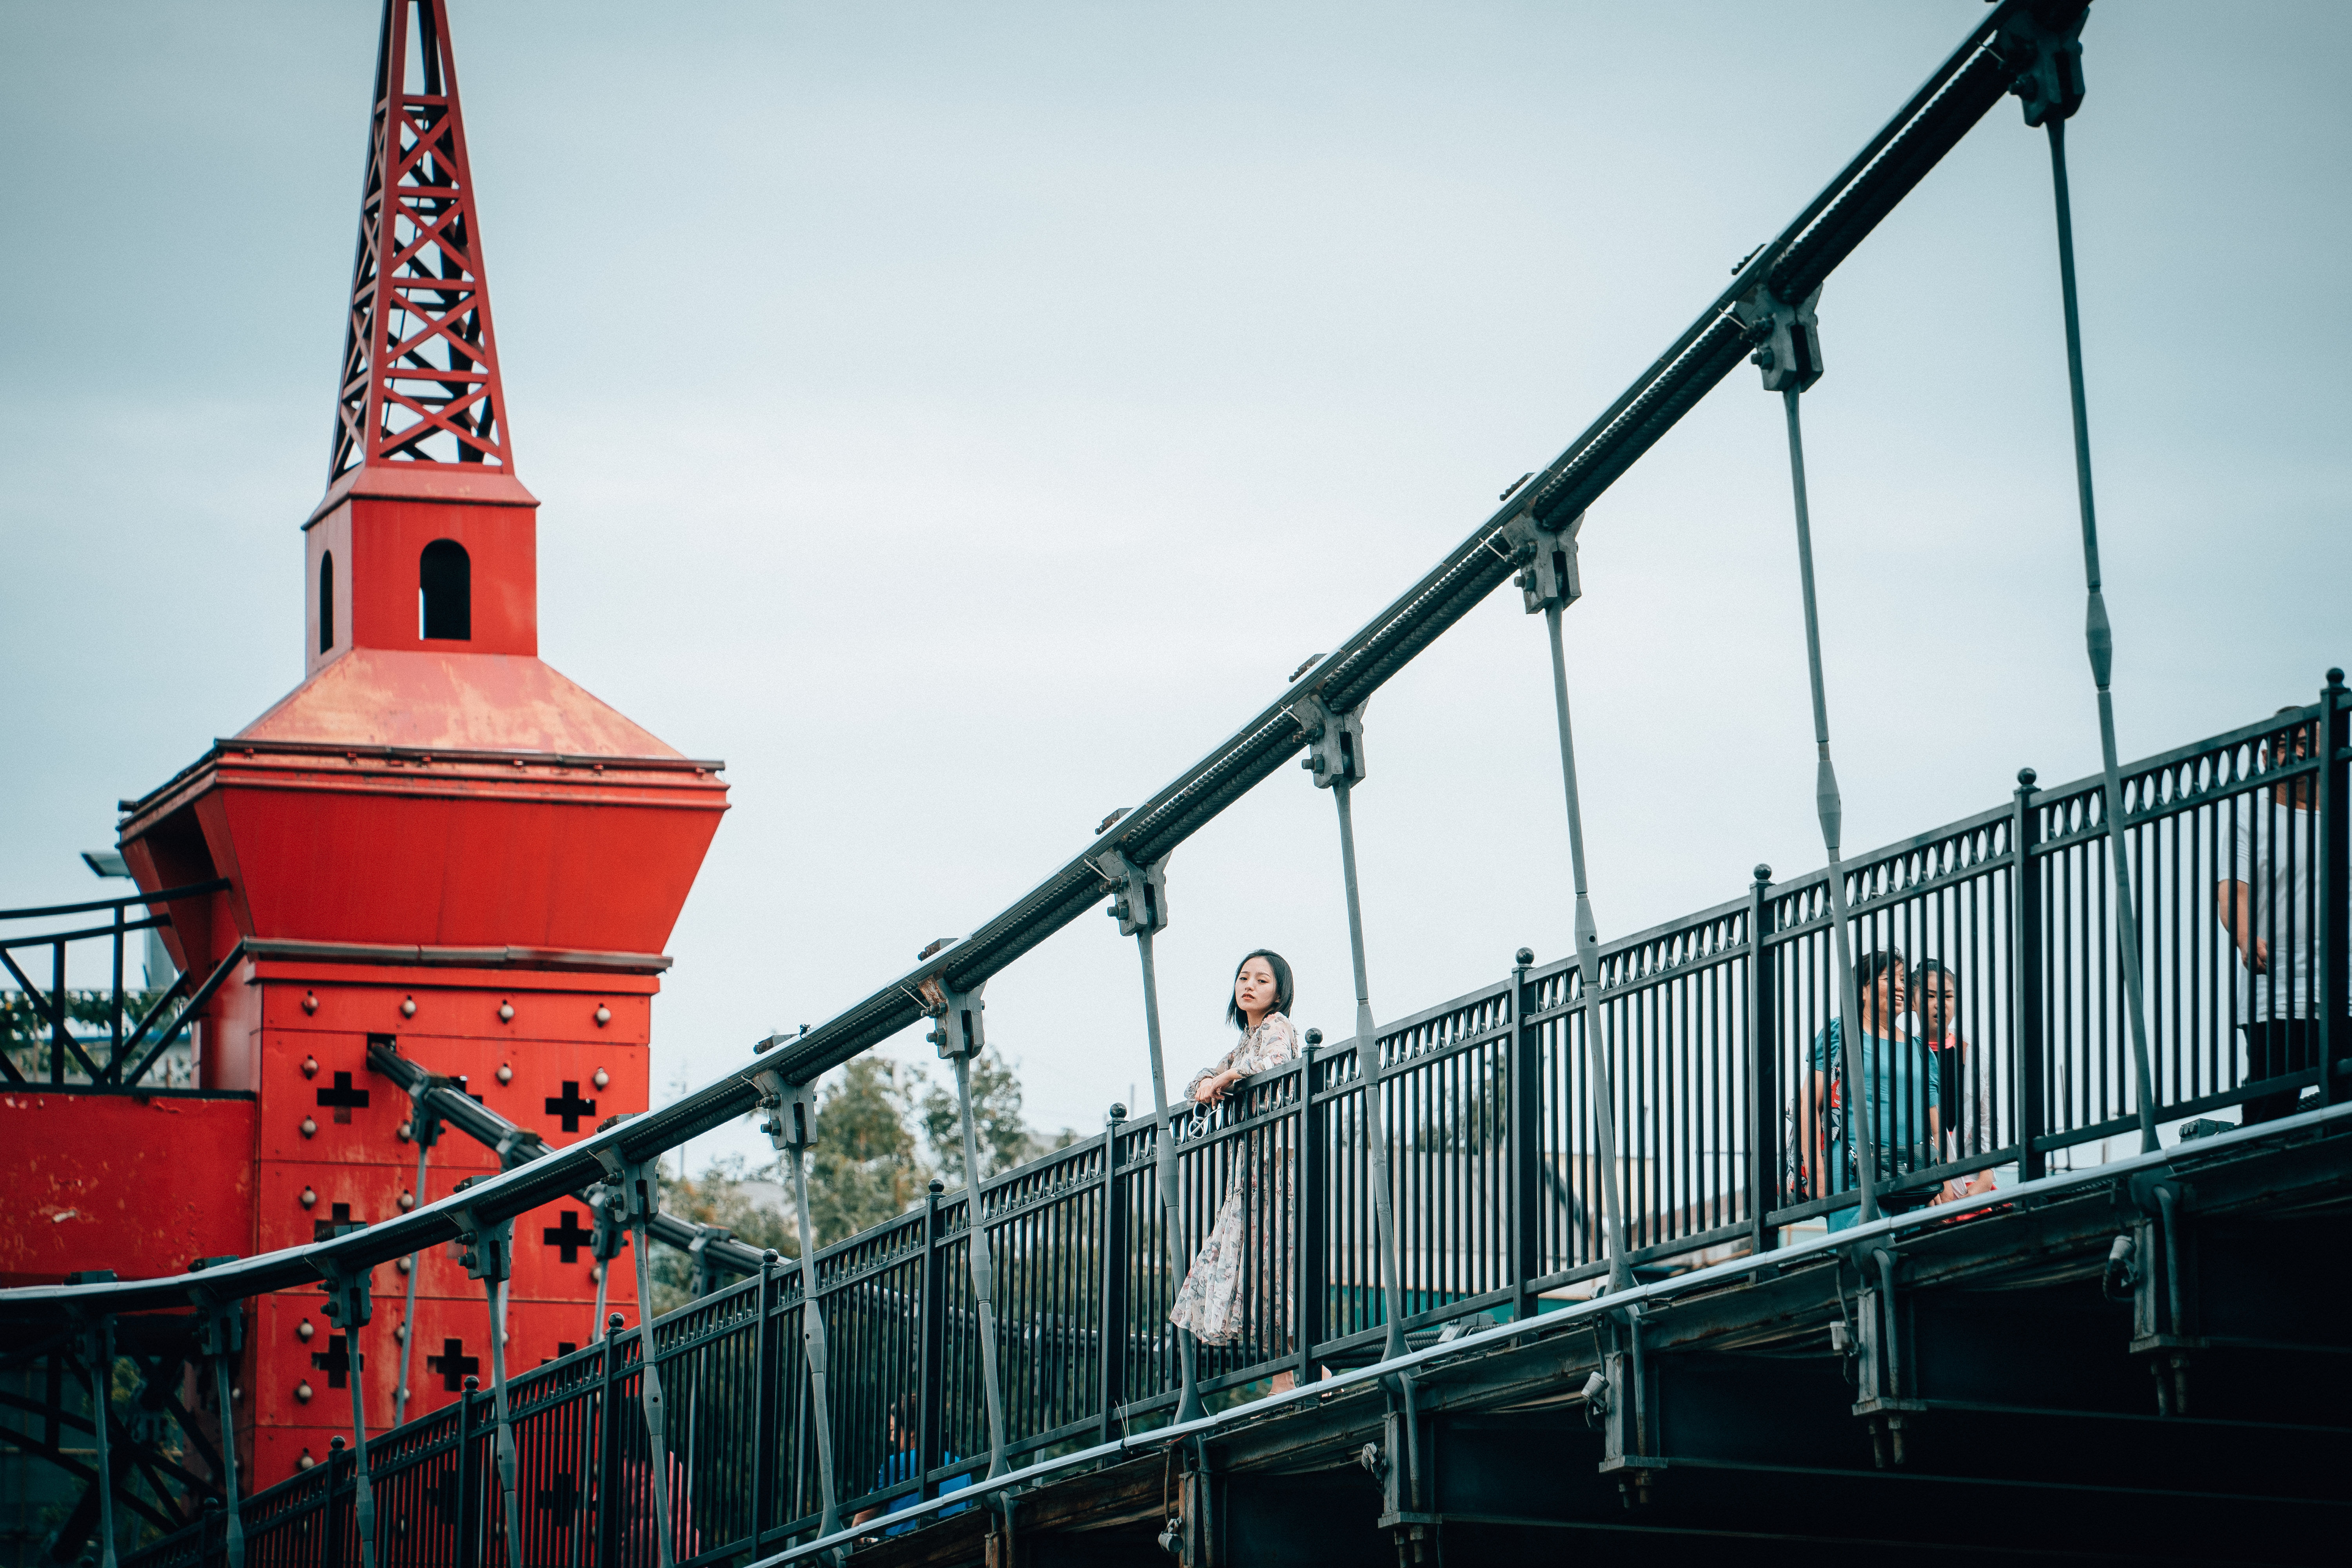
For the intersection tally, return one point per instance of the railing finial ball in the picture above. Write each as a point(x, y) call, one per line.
point(1117, 1111)
point(938, 1186)
point(1763, 873)
point(2025, 777)
point(1524, 957)
point(2335, 676)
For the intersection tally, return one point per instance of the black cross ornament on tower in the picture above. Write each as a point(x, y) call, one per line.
point(454, 1364)
point(343, 1097)
point(324, 1229)
point(572, 1108)
point(335, 1361)
point(568, 1236)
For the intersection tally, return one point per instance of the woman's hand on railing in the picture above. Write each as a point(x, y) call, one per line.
point(1211, 1089)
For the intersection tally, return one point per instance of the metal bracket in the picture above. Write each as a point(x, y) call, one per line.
point(959, 1031)
point(1548, 571)
point(2044, 45)
point(489, 1248)
point(1138, 899)
point(791, 1122)
point(1335, 742)
point(1786, 337)
point(603, 1201)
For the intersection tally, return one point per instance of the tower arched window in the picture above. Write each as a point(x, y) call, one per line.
point(444, 592)
point(327, 601)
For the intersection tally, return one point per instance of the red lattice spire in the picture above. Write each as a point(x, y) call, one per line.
point(420, 375)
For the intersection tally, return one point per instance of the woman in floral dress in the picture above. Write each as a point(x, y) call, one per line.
point(1211, 1302)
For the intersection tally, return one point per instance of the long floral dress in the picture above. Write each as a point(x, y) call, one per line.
point(1209, 1302)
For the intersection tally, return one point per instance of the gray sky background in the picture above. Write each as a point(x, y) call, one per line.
point(959, 417)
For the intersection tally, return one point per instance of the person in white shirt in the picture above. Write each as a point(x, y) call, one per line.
point(2268, 906)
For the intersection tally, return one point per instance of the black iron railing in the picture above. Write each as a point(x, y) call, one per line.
point(1711, 1027)
point(37, 1021)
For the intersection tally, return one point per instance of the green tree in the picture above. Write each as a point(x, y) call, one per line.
point(1005, 1138)
point(748, 1201)
point(865, 1168)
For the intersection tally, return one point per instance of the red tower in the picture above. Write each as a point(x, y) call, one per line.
point(435, 839)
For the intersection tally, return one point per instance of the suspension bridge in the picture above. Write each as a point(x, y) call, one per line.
point(1570, 1260)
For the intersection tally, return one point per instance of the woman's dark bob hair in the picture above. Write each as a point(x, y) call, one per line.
point(1281, 968)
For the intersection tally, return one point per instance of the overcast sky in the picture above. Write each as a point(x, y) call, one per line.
point(961, 417)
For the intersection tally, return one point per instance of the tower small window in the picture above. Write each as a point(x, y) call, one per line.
point(327, 602)
point(444, 592)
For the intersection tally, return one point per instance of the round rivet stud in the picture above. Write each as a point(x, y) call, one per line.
point(309, 1127)
point(302, 1396)
point(310, 1001)
point(400, 1263)
point(303, 1331)
point(400, 1333)
point(408, 1006)
point(309, 1066)
point(407, 1201)
point(601, 1078)
point(505, 1073)
point(306, 1461)
point(308, 1197)
point(506, 1012)
point(402, 1132)
point(604, 1015)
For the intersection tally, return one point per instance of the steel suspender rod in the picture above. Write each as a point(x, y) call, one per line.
point(960, 1037)
point(425, 1127)
point(2050, 83)
point(1140, 904)
point(791, 1126)
point(350, 1305)
point(1335, 755)
point(1788, 349)
point(639, 1192)
point(220, 1335)
point(1548, 581)
point(99, 1346)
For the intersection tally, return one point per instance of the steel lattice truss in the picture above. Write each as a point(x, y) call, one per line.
point(420, 371)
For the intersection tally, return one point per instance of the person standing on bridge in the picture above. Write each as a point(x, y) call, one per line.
point(1222, 1294)
point(2268, 904)
point(1899, 1102)
point(1963, 1110)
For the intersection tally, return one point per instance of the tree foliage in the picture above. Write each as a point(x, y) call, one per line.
point(1005, 1138)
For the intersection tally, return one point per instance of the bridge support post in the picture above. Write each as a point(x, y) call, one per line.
point(640, 1190)
point(1549, 582)
point(2030, 976)
point(931, 1391)
point(350, 1305)
point(2050, 83)
point(1767, 1153)
point(219, 1339)
point(1789, 352)
point(424, 1128)
point(608, 1447)
point(1111, 1375)
point(2333, 996)
point(1140, 904)
point(489, 1257)
point(959, 1036)
point(791, 1127)
point(1335, 755)
point(98, 1345)
point(1310, 1265)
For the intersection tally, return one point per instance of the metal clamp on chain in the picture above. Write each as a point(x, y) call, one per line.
point(957, 1032)
point(791, 1120)
point(1786, 338)
point(1335, 742)
point(1138, 899)
point(2043, 43)
point(1546, 556)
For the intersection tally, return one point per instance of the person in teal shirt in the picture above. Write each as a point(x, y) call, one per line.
point(1903, 1095)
